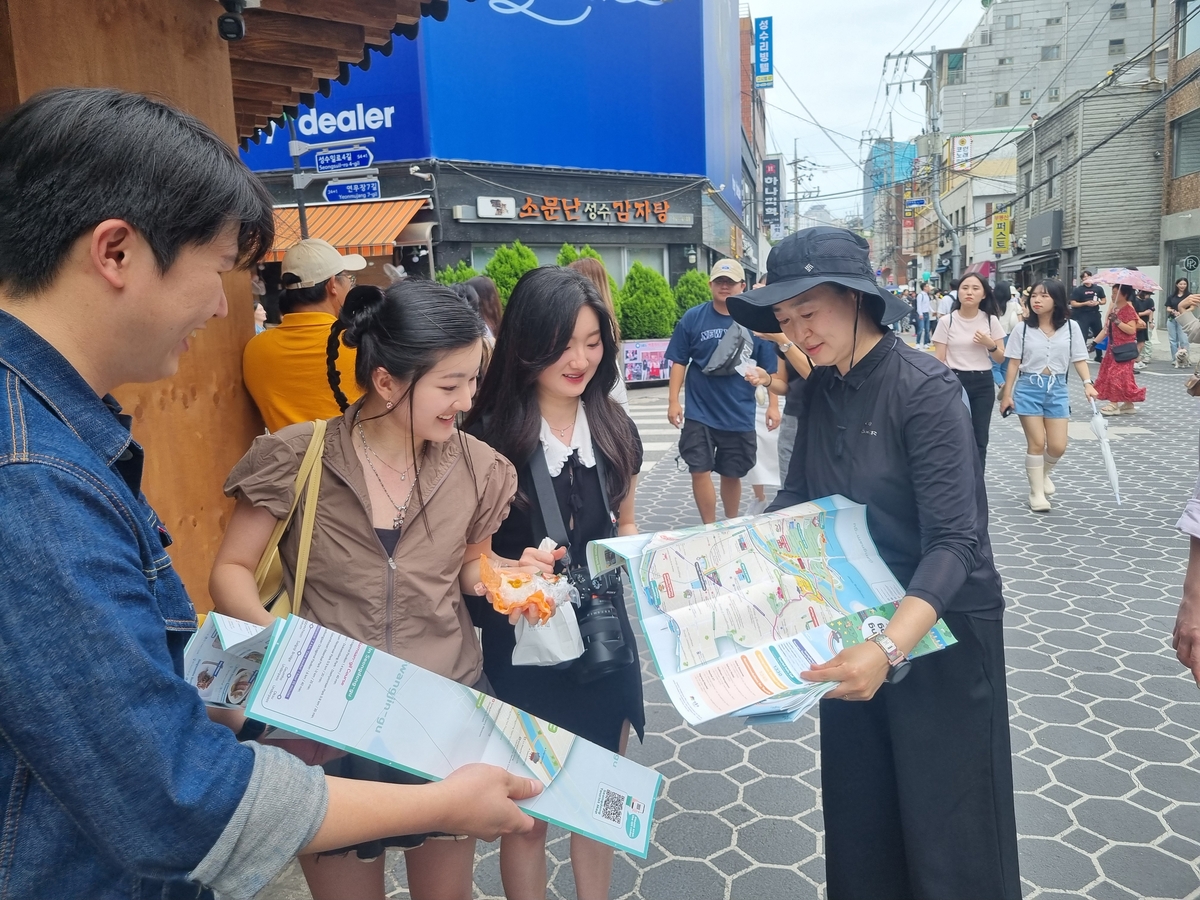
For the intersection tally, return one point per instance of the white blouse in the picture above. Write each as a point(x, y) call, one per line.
point(557, 452)
point(1054, 354)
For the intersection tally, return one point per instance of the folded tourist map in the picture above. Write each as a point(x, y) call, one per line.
point(734, 612)
point(315, 683)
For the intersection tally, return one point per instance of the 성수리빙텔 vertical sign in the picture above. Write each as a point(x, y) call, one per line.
point(771, 187)
point(1001, 222)
point(764, 65)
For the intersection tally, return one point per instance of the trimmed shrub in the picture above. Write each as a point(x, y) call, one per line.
point(567, 255)
point(456, 274)
point(648, 309)
point(507, 267)
point(691, 290)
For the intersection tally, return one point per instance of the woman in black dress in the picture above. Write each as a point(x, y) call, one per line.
point(545, 404)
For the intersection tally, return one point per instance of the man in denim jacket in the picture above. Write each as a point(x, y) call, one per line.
point(118, 217)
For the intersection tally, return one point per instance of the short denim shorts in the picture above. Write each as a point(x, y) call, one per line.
point(1042, 395)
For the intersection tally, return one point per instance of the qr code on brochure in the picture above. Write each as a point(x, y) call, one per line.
point(610, 805)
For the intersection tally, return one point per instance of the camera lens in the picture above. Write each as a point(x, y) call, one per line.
point(231, 27)
point(604, 647)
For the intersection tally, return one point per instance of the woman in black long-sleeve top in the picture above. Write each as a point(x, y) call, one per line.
point(916, 776)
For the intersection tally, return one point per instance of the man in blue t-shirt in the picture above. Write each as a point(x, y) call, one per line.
point(718, 429)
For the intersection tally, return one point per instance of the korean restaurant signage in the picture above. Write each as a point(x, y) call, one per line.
point(764, 64)
point(771, 191)
point(546, 210)
point(1001, 225)
point(962, 153)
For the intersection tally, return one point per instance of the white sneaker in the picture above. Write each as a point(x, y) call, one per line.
point(1138, 366)
point(757, 507)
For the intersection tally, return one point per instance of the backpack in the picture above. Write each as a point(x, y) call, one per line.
point(736, 343)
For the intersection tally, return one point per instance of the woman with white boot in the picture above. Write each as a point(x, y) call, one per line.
point(1040, 351)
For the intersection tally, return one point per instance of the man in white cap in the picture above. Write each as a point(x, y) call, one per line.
point(285, 367)
point(719, 357)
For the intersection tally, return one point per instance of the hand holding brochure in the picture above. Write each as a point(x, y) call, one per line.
point(318, 684)
point(734, 612)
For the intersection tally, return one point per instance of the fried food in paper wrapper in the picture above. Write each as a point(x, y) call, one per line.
point(511, 591)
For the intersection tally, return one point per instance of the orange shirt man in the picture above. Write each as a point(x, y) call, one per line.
point(285, 367)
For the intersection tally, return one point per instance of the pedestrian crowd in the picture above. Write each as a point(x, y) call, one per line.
point(447, 431)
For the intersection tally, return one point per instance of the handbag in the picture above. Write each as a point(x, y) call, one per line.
point(268, 574)
point(736, 343)
point(1125, 352)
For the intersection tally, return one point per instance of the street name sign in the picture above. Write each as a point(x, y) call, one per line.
point(343, 158)
point(355, 189)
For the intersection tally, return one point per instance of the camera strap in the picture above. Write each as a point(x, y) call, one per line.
point(547, 499)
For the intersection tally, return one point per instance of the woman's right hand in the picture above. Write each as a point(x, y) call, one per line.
point(1006, 403)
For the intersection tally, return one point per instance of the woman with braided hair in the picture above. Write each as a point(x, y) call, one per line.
point(407, 506)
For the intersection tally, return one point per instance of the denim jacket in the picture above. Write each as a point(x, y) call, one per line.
point(113, 781)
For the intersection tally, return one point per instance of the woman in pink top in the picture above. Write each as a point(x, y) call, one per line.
point(968, 340)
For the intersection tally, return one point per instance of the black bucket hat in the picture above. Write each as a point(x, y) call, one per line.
point(809, 257)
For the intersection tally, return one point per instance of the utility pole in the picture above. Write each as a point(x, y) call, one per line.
point(933, 117)
point(795, 185)
point(895, 222)
point(299, 192)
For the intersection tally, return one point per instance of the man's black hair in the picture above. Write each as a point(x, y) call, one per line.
point(291, 299)
point(71, 158)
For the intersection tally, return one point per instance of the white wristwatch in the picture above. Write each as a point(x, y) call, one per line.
point(785, 347)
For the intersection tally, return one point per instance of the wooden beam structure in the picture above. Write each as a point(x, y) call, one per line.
point(197, 424)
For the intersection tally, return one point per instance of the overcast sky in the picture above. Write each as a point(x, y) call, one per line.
point(831, 53)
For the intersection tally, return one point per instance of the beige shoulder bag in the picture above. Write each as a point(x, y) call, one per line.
point(268, 575)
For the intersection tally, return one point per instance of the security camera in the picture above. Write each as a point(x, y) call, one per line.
point(230, 24)
point(416, 172)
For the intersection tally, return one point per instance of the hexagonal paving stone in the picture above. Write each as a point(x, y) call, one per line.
point(781, 758)
point(682, 879)
point(1118, 820)
point(1036, 815)
point(1071, 741)
point(1051, 864)
point(1152, 747)
point(1149, 872)
point(775, 796)
point(761, 883)
point(1093, 777)
point(693, 834)
point(777, 842)
point(696, 791)
point(710, 754)
point(1177, 782)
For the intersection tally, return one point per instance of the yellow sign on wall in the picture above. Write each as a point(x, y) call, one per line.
point(1001, 224)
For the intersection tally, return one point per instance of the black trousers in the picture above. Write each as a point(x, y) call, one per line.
point(1089, 323)
point(981, 393)
point(917, 782)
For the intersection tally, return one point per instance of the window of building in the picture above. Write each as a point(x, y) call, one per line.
point(1050, 52)
point(1185, 145)
point(1116, 11)
point(1011, 22)
point(1189, 31)
point(1055, 20)
point(1051, 179)
point(1026, 97)
point(985, 37)
point(1116, 47)
point(1052, 95)
point(1004, 61)
point(955, 68)
point(1028, 189)
point(1001, 98)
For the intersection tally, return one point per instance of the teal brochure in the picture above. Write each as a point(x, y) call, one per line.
point(318, 684)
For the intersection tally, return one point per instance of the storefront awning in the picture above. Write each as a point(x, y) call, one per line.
point(368, 227)
point(983, 269)
point(1020, 262)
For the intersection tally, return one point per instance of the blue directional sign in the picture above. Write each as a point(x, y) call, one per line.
point(915, 202)
point(764, 63)
point(356, 189)
point(343, 158)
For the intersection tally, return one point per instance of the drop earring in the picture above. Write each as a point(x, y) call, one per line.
point(389, 404)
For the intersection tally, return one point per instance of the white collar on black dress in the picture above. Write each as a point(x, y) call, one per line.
point(557, 452)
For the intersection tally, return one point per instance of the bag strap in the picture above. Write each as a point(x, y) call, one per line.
point(547, 499)
point(316, 447)
point(307, 524)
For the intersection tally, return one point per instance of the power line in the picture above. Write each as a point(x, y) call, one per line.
point(824, 130)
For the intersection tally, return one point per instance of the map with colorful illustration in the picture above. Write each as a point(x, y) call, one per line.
point(542, 746)
point(735, 612)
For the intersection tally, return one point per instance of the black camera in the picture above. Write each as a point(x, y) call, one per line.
point(604, 647)
point(230, 24)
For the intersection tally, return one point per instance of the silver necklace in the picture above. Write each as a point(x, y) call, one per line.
point(401, 509)
point(562, 432)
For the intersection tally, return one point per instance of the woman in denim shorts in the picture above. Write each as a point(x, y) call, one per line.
point(1040, 350)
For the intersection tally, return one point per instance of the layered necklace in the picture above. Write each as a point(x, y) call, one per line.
point(401, 508)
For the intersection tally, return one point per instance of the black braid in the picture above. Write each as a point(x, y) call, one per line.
point(331, 355)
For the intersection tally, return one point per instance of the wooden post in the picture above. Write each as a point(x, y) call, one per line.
point(196, 425)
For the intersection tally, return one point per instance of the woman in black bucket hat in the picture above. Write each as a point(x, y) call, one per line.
point(916, 775)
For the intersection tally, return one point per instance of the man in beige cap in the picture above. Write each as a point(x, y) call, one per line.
point(719, 357)
point(285, 367)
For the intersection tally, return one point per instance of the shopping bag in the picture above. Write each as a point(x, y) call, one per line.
point(556, 641)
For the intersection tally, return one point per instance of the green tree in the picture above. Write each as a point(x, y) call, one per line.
point(691, 290)
point(568, 255)
point(507, 267)
point(647, 307)
point(456, 274)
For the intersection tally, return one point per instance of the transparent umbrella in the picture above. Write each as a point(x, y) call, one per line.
point(1100, 429)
